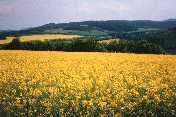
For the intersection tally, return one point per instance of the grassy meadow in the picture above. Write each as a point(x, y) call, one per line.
point(51, 83)
point(39, 37)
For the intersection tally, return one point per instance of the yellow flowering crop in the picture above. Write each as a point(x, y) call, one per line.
point(109, 40)
point(45, 83)
point(39, 37)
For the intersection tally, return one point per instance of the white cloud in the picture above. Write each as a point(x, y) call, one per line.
point(6, 7)
point(114, 6)
point(84, 7)
point(150, 9)
point(36, 12)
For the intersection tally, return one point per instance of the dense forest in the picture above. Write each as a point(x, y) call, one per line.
point(86, 45)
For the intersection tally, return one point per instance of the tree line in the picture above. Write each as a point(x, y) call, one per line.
point(86, 45)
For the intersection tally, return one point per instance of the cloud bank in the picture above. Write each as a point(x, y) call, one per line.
point(17, 14)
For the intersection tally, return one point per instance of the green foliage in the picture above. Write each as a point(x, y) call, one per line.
point(61, 46)
point(2, 37)
point(89, 33)
point(15, 44)
point(170, 38)
point(101, 47)
point(156, 40)
point(88, 45)
point(141, 47)
point(113, 46)
point(76, 45)
point(145, 47)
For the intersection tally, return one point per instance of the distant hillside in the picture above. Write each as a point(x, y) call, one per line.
point(170, 38)
point(111, 25)
point(172, 19)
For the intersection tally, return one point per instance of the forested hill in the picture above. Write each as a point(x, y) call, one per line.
point(111, 25)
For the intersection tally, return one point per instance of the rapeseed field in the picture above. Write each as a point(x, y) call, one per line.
point(50, 83)
point(109, 40)
point(39, 37)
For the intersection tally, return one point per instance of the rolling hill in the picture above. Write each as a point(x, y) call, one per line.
point(159, 32)
point(110, 25)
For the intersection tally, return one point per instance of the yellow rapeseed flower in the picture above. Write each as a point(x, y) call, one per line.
point(41, 83)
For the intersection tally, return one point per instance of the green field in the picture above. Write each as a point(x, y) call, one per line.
point(90, 33)
point(145, 30)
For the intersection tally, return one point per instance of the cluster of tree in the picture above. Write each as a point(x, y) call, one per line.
point(2, 37)
point(157, 37)
point(111, 25)
point(142, 47)
point(88, 45)
point(80, 28)
point(156, 40)
point(152, 24)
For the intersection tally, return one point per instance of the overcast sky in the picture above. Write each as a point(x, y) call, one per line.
point(18, 14)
